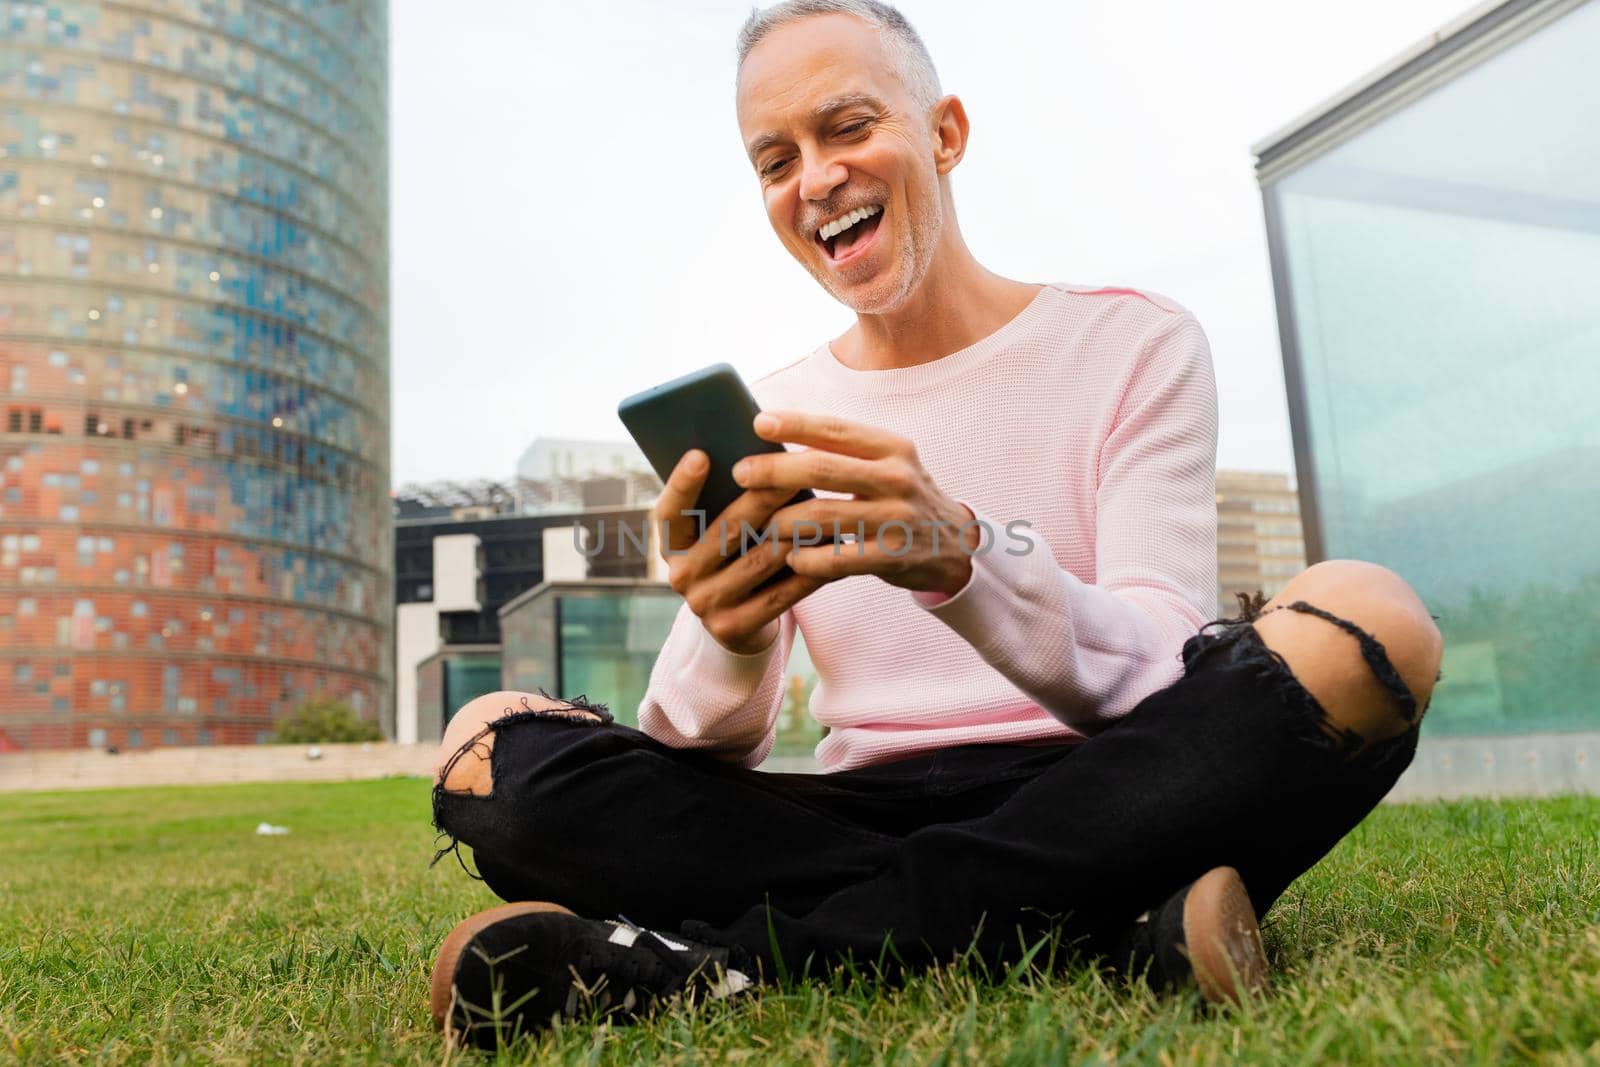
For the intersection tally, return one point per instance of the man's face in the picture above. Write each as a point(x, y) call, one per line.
point(831, 131)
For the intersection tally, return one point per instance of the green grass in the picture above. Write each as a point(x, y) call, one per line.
point(154, 926)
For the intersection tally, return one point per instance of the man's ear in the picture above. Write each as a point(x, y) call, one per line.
point(949, 134)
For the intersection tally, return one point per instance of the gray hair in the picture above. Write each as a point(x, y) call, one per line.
point(900, 40)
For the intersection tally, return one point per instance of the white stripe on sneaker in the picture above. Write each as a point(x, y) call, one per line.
point(673, 945)
point(626, 934)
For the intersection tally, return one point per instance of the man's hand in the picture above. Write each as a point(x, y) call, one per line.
point(909, 533)
point(709, 573)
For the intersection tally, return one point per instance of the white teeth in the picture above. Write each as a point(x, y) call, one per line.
point(844, 222)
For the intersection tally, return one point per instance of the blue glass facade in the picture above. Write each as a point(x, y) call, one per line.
point(1437, 257)
point(194, 439)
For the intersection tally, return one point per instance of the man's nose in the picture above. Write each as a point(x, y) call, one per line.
point(820, 177)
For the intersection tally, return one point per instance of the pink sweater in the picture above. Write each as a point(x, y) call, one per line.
point(1091, 417)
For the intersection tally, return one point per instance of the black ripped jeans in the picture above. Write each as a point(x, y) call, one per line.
point(981, 848)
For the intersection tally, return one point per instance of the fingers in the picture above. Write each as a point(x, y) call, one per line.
point(731, 625)
point(817, 469)
point(678, 496)
point(743, 523)
point(830, 562)
point(831, 433)
point(820, 519)
point(741, 530)
point(729, 584)
point(728, 601)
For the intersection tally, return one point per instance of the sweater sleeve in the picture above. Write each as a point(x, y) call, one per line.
point(703, 696)
point(1087, 654)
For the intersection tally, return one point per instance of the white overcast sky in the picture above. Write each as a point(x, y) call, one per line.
point(574, 218)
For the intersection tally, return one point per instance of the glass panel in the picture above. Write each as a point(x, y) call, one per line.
point(1444, 273)
point(609, 642)
point(467, 677)
point(528, 645)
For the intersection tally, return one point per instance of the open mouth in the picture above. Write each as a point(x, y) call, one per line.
point(849, 235)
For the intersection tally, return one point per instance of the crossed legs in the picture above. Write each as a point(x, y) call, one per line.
point(1325, 659)
point(1216, 770)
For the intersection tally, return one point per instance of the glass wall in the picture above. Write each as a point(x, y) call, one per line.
point(598, 641)
point(1443, 286)
point(194, 524)
point(469, 677)
point(528, 643)
point(609, 643)
point(601, 640)
point(450, 678)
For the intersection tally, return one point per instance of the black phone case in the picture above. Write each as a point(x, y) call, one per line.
point(710, 409)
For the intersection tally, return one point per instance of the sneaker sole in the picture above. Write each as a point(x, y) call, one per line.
point(441, 986)
point(1222, 938)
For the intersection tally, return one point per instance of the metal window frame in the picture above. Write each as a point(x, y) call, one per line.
point(561, 649)
point(1477, 36)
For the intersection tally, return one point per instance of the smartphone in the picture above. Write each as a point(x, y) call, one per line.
point(709, 409)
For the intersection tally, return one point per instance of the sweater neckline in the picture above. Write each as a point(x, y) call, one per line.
point(937, 371)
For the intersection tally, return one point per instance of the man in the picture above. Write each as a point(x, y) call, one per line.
point(1032, 735)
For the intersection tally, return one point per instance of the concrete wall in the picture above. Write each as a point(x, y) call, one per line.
point(563, 562)
point(455, 572)
point(1529, 766)
point(1444, 767)
point(210, 765)
point(416, 635)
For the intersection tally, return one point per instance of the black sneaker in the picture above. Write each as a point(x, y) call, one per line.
point(1205, 934)
point(515, 968)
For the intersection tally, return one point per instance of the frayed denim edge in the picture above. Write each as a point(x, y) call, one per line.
point(580, 703)
point(1311, 721)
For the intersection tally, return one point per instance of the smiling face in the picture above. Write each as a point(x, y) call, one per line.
point(845, 159)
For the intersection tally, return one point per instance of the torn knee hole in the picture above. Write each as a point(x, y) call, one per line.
point(1376, 657)
point(469, 770)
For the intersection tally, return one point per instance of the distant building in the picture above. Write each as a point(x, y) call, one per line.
point(597, 638)
point(194, 369)
point(455, 571)
point(558, 495)
point(1259, 545)
point(1435, 243)
point(567, 457)
point(557, 474)
point(509, 599)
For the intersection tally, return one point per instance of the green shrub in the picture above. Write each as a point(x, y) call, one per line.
point(325, 719)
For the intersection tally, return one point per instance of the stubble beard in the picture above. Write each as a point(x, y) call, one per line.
point(914, 257)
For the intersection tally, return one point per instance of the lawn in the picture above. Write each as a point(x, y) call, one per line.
point(154, 925)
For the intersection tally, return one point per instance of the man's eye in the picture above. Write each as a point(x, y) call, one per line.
point(773, 168)
point(854, 127)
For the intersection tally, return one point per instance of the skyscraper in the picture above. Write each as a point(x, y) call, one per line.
point(194, 396)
